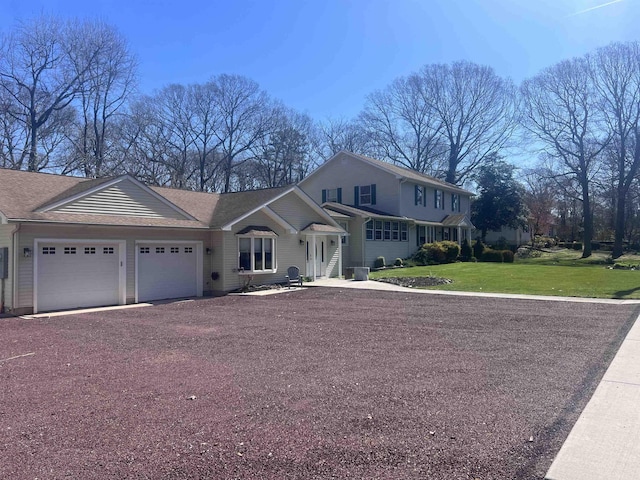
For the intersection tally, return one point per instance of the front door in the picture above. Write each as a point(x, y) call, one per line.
point(317, 256)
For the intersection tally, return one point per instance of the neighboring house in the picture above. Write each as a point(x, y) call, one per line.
point(387, 210)
point(511, 236)
point(75, 242)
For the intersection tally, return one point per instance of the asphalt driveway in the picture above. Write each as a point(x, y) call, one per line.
point(318, 383)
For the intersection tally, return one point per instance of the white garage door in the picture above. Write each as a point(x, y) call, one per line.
point(71, 275)
point(167, 271)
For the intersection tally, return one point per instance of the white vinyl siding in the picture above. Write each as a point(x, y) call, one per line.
point(124, 198)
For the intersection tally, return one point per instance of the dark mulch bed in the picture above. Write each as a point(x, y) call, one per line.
point(416, 281)
point(319, 383)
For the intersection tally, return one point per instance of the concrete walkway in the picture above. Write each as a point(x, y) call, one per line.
point(374, 285)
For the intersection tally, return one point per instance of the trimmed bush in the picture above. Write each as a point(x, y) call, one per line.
point(507, 256)
point(478, 249)
point(491, 255)
point(437, 253)
point(398, 262)
point(466, 252)
point(577, 245)
point(379, 262)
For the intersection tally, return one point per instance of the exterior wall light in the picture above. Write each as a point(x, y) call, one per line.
point(27, 252)
point(208, 251)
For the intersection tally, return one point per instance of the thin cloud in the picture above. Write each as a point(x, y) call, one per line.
point(594, 8)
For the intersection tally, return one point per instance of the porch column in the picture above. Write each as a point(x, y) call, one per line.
point(339, 255)
point(314, 255)
point(459, 235)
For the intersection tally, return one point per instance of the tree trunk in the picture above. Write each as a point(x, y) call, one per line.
point(588, 220)
point(620, 223)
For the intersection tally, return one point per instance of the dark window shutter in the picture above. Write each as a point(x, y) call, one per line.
point(324, 195)
point(356, 195)
point(373, 194)
point(435, 198)
point(415, 195)
point(424, 196)
point(339, 195)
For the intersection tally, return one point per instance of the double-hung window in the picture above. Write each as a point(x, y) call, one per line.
point(256, 254)
point(439, 199)
point(455, 202)
point(365, 195)
point(419, 195)
point(369, 230)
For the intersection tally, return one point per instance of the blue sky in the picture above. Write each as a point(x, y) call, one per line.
point(323, 57)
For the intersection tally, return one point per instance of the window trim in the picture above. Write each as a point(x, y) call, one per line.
point(274, 257)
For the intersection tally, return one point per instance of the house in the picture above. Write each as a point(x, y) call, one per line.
point(510, 236)
point(387, 210)
point(75, 242)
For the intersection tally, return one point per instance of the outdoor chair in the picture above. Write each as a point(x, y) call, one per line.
point(293, 276)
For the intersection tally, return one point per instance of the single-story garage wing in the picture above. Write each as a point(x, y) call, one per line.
point(74, 242)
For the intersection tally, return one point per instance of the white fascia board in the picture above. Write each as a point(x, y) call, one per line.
point(280, 221)
point(227, 227)
point(111, 183)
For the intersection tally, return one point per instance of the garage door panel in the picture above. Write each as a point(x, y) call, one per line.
point(166, 271)
point(77, 275)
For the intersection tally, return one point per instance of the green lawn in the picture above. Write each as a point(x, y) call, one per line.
point(541, 276)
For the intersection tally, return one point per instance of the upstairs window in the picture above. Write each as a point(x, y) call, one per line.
point(455, 202)
point(419, 195)
point(439, 200)
point(364, 195)
point(332, 195)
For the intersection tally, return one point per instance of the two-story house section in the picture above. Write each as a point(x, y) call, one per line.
point(387, 210)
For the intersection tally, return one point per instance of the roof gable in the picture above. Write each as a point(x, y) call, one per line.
point(122, 196)
point(398, 172)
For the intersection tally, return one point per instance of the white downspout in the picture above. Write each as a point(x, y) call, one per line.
point(14, 267)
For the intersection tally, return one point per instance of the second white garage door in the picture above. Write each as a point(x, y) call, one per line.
point(167, 270)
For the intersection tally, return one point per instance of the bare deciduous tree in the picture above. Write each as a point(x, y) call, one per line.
point(42, 64)
point(477, 111)
point(615, 71)
point(560, 110)
point(401, 125)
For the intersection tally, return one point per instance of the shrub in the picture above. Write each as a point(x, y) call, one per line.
point(478, 248)
point(437, 253)
point(398, 262)
point(577, 245)
point(379, 262)
point(595, 245)
point(466, 252)
point(507, 256)
point(491, 255)
point(501, 244)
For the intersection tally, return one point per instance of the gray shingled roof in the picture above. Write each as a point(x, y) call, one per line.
point(409, 174)
point(22, 193)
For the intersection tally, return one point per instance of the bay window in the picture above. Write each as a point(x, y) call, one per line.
point(256, 254)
